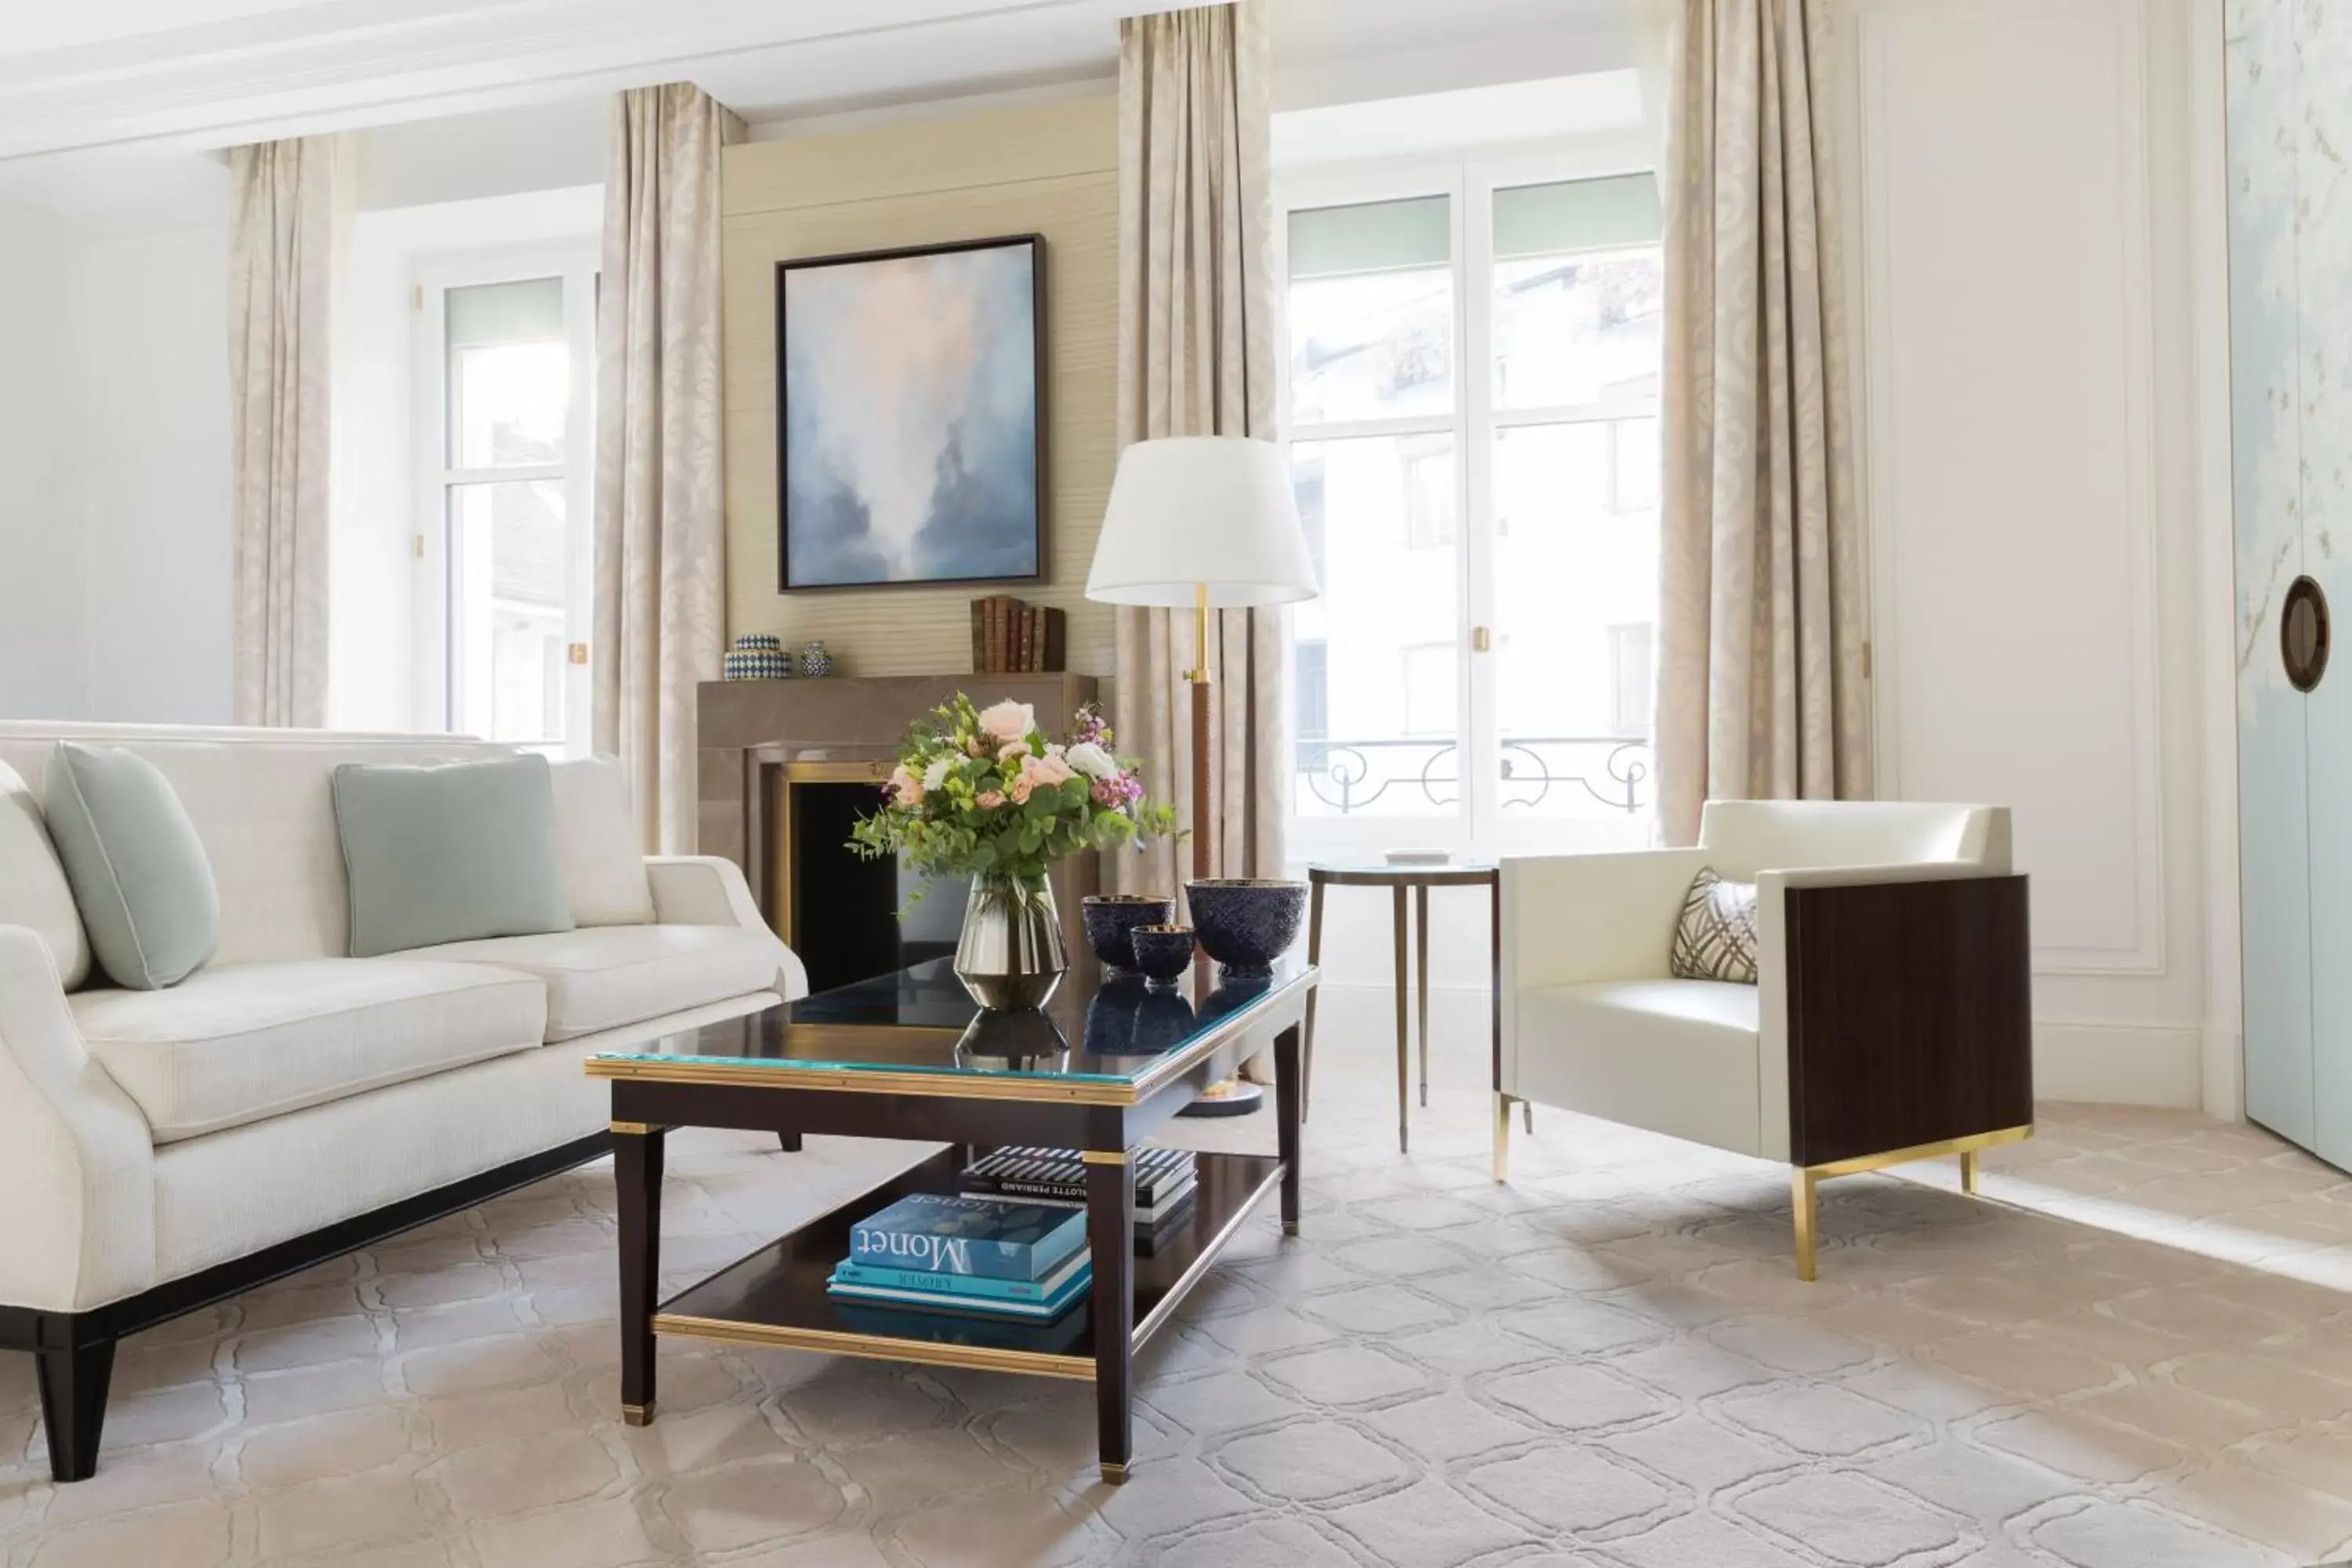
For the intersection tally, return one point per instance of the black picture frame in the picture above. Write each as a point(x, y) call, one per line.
point(1040, 490)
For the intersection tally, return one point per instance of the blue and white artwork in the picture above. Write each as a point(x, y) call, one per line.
point(911, 446)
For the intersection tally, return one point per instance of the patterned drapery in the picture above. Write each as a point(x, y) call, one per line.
point(1196, 309)
point(1762, 676)
point(280, 277)
point(661, 542)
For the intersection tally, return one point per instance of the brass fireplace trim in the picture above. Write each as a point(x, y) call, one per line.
point(787, 774)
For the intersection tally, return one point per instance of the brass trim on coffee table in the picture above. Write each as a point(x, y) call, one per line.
point(877, 1347)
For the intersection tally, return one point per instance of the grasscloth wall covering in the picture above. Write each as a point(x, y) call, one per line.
point(1052, 171)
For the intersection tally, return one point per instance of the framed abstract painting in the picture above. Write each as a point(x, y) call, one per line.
point(910, 421)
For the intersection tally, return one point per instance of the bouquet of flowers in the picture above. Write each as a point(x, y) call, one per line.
point(986, 795)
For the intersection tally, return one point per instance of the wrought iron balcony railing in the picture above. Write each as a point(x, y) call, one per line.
point(1554, 773)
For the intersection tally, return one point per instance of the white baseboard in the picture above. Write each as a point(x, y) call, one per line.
point(2122, 1064)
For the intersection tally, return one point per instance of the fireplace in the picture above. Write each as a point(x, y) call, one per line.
point(786, 766)
point(841, 913)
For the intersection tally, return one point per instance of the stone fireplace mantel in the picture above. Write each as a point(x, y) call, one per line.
point(759, 738)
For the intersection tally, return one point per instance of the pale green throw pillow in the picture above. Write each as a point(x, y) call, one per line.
point(452, 853)
point(137, 868)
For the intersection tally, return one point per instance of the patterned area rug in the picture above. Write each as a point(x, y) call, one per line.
point(2137, 1355)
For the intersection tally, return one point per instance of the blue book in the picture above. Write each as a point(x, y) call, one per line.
point(954, 1233)
point(1072, 1289)
point(853, 1273)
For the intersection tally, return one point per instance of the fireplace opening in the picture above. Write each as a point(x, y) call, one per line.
point(843, 910)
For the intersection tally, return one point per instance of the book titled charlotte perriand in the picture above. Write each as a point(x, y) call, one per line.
point(948, 1233)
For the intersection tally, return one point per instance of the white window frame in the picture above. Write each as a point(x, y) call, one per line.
point(1478, 826)
point(577, 262)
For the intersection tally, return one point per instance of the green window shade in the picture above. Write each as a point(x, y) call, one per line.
point(520, 313)
point(1577, 214)
point(1374, 236)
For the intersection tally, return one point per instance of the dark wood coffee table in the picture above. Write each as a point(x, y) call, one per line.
point(909, 1056)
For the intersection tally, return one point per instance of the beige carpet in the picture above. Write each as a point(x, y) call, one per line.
point(1606, 1363)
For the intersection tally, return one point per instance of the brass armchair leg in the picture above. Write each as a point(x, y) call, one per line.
point(1968, 1171)
point(1802, 1185)
point(1501, 1137)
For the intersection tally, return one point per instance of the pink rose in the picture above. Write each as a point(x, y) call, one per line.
point(989, 799)
point(1013, 748)
point(905, 787)
point(1008, 722)
point(1019, 788)
point(1041, 772)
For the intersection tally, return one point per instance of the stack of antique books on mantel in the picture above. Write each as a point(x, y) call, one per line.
point(1009, 638)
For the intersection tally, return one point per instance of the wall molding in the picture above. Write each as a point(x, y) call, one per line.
point(2119, 1063)
point(1879, 26)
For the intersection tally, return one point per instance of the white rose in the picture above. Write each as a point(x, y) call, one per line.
point(1008, 722)
point(1092, 761)
point(935, 775)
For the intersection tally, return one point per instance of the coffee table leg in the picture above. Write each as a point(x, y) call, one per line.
point(637, 1175)
point(1421, 980)
point(1290, 1092)
point(1313, 955)
point(1110, 1234)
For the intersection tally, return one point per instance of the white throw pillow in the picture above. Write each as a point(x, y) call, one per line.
point(33, 888)
point(604, 855)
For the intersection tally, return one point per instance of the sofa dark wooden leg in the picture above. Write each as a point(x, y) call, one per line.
point(73, 1406)
point(790, 1143)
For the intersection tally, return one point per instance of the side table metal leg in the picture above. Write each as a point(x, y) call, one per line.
point(1421, 980)
point(1404, 1043)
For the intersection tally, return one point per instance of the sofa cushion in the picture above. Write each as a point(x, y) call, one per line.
point(238, 1043)
point(33, 888)
point(604, 852)
point(138, 869)
point(453, 852)
point(606, 976)
point(1677, 1057)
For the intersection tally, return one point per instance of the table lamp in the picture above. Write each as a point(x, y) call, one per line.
point(1202, 522)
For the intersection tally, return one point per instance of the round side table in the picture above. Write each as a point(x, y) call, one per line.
point(1401, 879)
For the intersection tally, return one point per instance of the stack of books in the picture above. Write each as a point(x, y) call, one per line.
point(954, 1252)
point(1009, 636)
point(1164, 1182)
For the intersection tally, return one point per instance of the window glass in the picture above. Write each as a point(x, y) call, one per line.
point(1371, 310)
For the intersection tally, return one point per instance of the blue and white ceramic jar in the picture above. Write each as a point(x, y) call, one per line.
point(758, 656)
point(816, 662)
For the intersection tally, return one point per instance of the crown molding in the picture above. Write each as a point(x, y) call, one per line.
point(344, 63)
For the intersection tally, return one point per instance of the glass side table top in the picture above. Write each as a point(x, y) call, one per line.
point(1096, 1031)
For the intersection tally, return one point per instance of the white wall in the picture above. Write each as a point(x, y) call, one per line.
point(154, 459)
point(44, 636)
point(2020, 214)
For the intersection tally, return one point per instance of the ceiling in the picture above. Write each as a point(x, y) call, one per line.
point(116, 95)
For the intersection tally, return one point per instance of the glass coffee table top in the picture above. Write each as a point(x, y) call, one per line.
point(1095, 1030)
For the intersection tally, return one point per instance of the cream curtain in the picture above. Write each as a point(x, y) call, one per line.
point(281, 272)
point(1762, 683)
point(1196, 358)
point(660, 542)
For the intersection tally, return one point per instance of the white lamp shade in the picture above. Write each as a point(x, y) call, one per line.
point(1190, 512)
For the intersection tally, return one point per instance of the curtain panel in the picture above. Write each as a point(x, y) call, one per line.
point(660, 533)
point(1762, 681)
point(1196, 358)
point(280, 275)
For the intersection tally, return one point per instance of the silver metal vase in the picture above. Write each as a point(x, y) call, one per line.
point(1011, 953)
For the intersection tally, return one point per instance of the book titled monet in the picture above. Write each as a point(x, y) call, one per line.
point(953, 1233)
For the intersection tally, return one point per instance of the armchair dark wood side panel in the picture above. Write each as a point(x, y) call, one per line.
point(1910, 1015)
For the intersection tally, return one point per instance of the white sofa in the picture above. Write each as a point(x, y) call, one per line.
point(1891, 1019)
point(163, 1149)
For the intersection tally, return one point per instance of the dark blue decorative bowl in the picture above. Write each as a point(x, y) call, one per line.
point(1246, 922)
point(1111, 919)
point(1163, 952)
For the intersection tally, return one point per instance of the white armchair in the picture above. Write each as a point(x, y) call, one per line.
point(1891, 1019)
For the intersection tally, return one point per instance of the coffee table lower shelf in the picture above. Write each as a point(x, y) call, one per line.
point(776, 1297)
